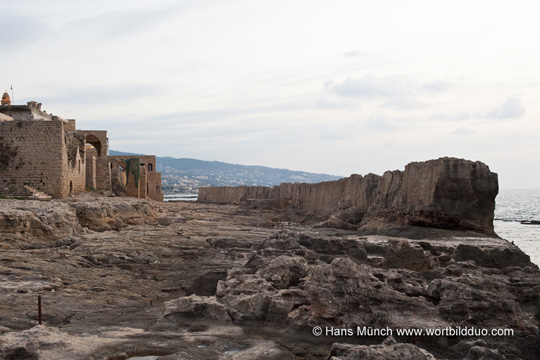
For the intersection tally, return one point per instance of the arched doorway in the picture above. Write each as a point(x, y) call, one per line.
point(95, 142)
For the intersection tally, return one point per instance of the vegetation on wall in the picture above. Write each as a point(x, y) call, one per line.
point(133, 167)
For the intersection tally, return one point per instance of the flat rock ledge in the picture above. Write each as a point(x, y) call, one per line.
point(124, 278)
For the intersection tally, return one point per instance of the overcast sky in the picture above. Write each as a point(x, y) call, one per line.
point(335, 87)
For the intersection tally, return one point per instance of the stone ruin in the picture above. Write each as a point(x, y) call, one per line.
point(43, 156)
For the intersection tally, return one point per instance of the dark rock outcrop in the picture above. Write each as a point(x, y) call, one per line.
point(389, 350)
point(447, 194)
point(293, 281)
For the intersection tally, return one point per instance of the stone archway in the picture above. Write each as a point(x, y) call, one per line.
point(98, 139)
point(95, 142)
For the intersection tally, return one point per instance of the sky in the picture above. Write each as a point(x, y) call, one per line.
point(336, 87)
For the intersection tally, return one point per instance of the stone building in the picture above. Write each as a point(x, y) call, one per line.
point(44, 156)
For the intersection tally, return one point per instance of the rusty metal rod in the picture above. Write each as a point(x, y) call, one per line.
point(39, 309)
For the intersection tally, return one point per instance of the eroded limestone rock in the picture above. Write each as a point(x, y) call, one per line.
point(112, 213)
point(285, 284)
point(31, 219)
point(194, 306)
point(443, 194)
point(378, 352)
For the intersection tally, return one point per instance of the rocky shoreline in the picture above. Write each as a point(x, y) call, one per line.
point(123, 278)
point(441, 194)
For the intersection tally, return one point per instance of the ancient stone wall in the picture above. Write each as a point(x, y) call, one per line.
point(43, 152)
point(148, 162)
point(143, 183)
point(74, 160)
point(133, 177)
point(91, 156)
point(320, 199)
point(154, 186)
point(446, 193)
point(71, 125)
point(98, 139)
point(150, 180)
point(103, 174)
point(29, 112)
point(31, 155)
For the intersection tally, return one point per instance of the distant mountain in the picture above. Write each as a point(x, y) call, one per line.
point(187, 175)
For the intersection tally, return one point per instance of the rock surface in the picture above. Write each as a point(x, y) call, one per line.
point(388, 351)
point(288, 283)
point(20, 220)
point(199, 281)
point(447, 193)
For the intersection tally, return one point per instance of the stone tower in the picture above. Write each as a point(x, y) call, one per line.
point(6, 100)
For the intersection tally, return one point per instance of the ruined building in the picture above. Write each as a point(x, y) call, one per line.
point(44, 156)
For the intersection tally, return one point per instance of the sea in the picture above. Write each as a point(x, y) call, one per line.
point(512, 207)
point(180, 197)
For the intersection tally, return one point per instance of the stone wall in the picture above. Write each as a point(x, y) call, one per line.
point(74, 163)
point(446, 193)
point(141, 188)
point(154, 186)
point(71, 125)
point(31, 111)
point(103, 174)
point(41, 155)
point(149, 180)
point(31, 154)
point(91, 156)
point(98, 139)
point(320, 199)
point(45, 153)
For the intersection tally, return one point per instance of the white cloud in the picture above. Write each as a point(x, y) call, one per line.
point(21, 30)
point(358, 54)
point(120, 22)
point(101, 95)
point(437, 86)
point(211, 78)
point(510, 109)
point(463, 131)
point(405, 102)
point(398, 92)
point(450, 116)
point(382, 123)
point(370, 86)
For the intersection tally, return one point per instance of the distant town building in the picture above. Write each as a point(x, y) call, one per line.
point(44, 156)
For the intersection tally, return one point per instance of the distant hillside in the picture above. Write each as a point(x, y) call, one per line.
point(187, 175)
